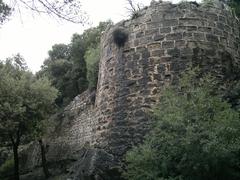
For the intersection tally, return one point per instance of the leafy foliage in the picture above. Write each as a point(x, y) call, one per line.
point(24, 102)
point(235, 4)
point(134, 8)
point(6, 169)
point(195, 136)
point(92, 53)
point(232, 94)
point(92, 57)
point(68, 10)
point(23, 98)
point(73, 68)
point(59, 51)
point(5, 11)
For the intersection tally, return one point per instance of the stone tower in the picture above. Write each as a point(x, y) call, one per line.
point(162, 41)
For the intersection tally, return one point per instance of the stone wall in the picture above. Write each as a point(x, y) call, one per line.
point(71, 133)
point(91, 135)
point(77, 123)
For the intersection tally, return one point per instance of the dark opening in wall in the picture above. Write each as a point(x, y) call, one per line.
point(120, 36)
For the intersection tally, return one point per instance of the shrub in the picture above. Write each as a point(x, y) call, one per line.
point(235, 4)
point(195, 136)
point(92, 57)
point(7, 169)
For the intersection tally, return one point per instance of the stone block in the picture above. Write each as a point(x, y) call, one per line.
point(188, 36)
point(157, 53)
point(180, 43)
point(158, 37)
point(217, 32)
point(139, 34)
point(152, 31)
point(172, 14)
point(158, 77)
point(136, 57)
point(205, 29)
point(221, 19)
point(212, 38)
point(145, 54)
point(199, 36)
point(170, 22)
point(165, 59)
point(175, 52)
point(146, 39)
point(174, 36)
point(191, 22)
point(155, 17)
point(211, 16)
point(165, 30)
point(155, 45)
point(167, 44)
point(227, 28)
point(179, 28)
point(153, 25)
point(136, 42)
point(210, 52)
point(191, 28)
point(186, 51)
point(220, 26)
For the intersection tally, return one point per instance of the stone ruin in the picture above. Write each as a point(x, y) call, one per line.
point(139, 57)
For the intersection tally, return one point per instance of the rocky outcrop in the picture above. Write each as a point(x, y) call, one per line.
point(139, 58)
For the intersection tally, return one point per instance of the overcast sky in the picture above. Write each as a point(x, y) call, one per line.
point(33, 36)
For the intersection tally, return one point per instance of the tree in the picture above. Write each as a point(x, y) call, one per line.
point(66, 68)
point(92, 38)
point(73, 68)
point(235, 4)
point(133, 8)
point(59, 51)
point(195, 136)
point(92, 57)
point(44, 95)
point(24, 101)
point(59, 72)
point(68, 10)
point(79, 70)
point(5, 11)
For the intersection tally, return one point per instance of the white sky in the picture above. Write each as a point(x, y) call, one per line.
point(32, 37)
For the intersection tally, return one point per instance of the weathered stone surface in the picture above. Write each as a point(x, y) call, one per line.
point(92, 135)
point(95, 164)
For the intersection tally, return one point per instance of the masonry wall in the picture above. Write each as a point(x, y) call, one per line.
point(71, 132)
point(162, 42)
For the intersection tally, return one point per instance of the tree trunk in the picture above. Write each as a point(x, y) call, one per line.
point(16, 162)
point(44, 161)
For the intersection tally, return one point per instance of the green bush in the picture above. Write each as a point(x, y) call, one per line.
point(7, 169)
point(92, 57)
point(196, 136)
point(235, 4)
